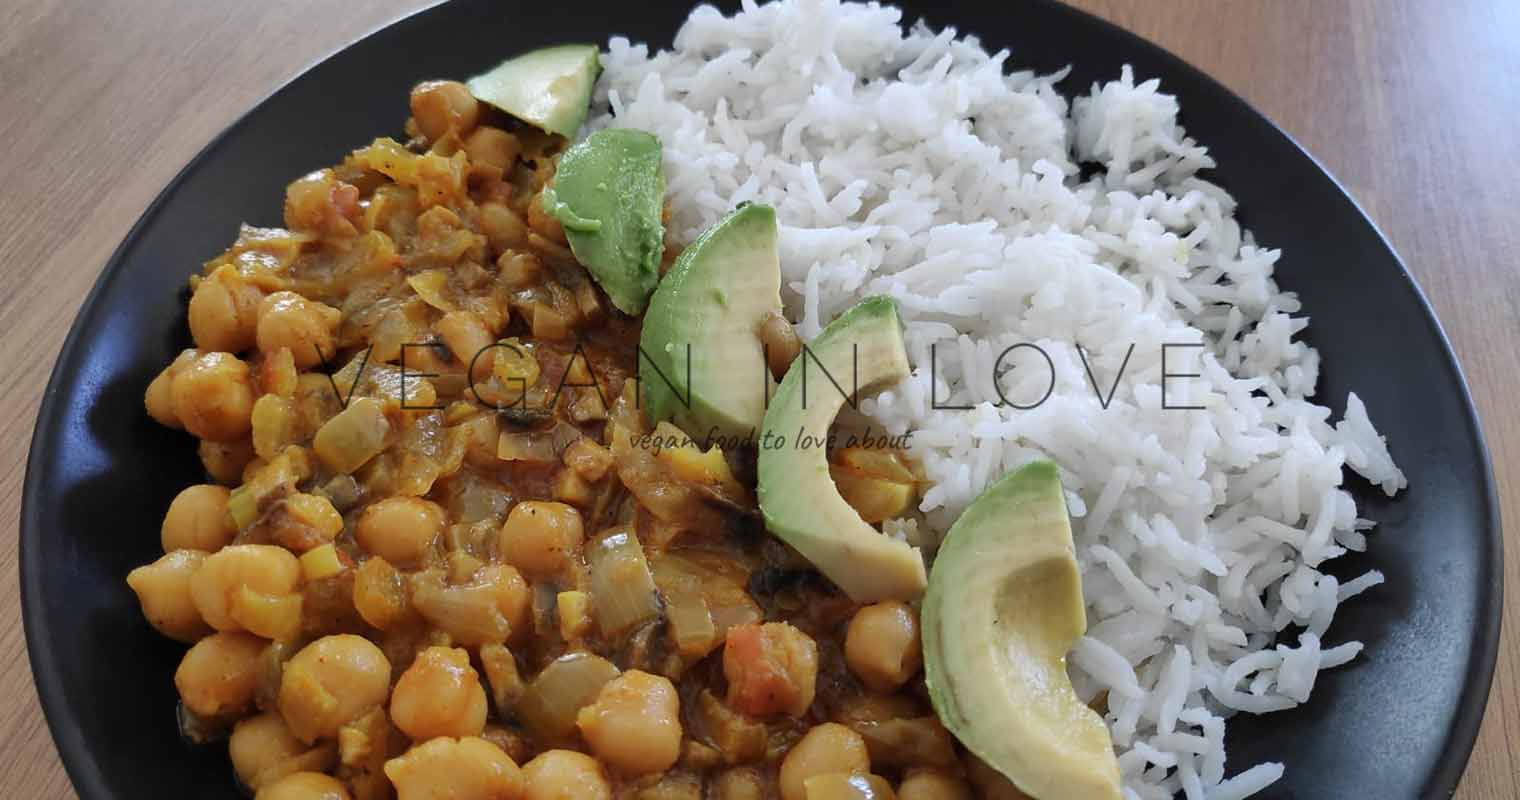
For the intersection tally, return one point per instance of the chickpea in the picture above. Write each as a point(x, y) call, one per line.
point(540, 538)
point(443, 106)
point(400, 529)
point(468, 338)
point(213, 397)
point(780, 342)
point(306, 327)
point(882, 646)
point(197, 520)
point(163, 591)
point(223, 311)
point(225, 461)
point(305, 786)
point(565, 775)
point(826, 749)
point(634, 725)
point(470, 768)
point(439, 695)
point(330, 683)
point(492, 147)
point(502, 226)
point(220, 674)
point(262, 568)
point(932, 784)
point(159, 399)
point(260, 744)
point(321, 203)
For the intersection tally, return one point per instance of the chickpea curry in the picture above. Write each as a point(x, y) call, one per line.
point(446, 551)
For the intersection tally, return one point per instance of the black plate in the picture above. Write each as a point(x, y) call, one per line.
point(1398, 723)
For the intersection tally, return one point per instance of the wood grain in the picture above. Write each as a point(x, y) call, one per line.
point(1413, 105)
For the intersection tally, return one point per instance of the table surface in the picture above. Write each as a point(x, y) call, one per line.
point(1412, 105)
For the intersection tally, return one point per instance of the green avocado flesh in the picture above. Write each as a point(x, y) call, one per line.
point(548, 88)
point(701, 332)
point(861, 351)
point(1004, 606)
point(608, 194)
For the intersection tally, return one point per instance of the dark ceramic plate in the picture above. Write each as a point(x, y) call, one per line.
point(1398, 723)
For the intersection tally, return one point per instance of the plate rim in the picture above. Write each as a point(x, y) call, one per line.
point(83, 770)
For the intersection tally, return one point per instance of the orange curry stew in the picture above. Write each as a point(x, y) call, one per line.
point(436, 560)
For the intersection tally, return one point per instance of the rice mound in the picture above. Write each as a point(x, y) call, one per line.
point(908, 162)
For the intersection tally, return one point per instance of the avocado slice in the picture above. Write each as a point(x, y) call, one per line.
point(608, 193)
point(702, 329)
point(549, 88)
point(1003, 608)
point(860, 350)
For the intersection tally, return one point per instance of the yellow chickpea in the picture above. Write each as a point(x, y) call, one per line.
point(159, 399)
point(330, 683)
point(468, 339)
point(223, 311)
point(225, 461)
point(540, 538)
point(634, 725)
point(262, 568)
point(304, 786)
point(565, 775)
point(827, 748)
point(163, 591)
point(882, 646)
point(260, 746)
point(502, 226)
point(197, 520)
point(933, 784)
point(470, 768)
point(306, 327)
point(443, 106)
point(492, 147)
point(439, 695)
point(213, 397)
point(220, 674)
point(400, 529)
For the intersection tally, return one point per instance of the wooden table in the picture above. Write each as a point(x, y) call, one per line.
point(1413, 105)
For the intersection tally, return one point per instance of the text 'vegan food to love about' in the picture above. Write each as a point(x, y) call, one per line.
point(588, 440)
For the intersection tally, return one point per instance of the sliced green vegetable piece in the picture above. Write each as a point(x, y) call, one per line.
point(548, 88)
point(859, 352)
point(702, 329)
point(609, 193)
point(1003, 608)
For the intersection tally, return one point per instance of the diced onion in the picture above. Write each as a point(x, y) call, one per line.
point(549, 705)
point(622, 588)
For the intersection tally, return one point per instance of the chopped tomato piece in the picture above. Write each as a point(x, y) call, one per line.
point(771, 669)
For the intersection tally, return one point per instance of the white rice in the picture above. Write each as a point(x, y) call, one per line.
point(911, 163)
